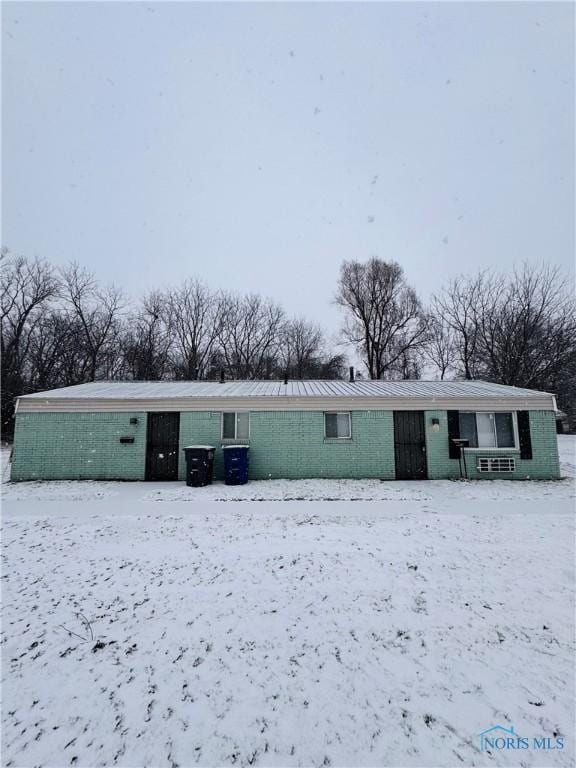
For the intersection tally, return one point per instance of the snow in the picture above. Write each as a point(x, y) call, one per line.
point(135, 390)
point(390, 630)
point(567, 452)
point(5, 454)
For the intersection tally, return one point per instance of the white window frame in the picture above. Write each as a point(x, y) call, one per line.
point(515, 447)
point(339, 413)
point(235, 438)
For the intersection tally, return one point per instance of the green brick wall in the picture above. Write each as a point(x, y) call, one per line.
point(544, 465)
point(291, 444)
point(200, 428)
point(78, 446)
point(287, 444)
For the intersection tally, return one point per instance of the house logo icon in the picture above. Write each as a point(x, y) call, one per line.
point(497, 737)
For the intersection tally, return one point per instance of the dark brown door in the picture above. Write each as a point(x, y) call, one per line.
point(410, 445)
point(162, 446)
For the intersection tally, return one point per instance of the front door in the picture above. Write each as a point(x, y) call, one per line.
point(410, 445)
point(162, 446)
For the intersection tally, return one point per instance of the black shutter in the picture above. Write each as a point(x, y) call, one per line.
point(524, 434)
point(453, 433)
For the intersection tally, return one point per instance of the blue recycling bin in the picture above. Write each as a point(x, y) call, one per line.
point(236, 464)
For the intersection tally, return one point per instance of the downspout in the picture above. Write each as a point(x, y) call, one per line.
point(463, 453)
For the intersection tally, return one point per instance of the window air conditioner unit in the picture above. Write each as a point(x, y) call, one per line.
point(495, 464)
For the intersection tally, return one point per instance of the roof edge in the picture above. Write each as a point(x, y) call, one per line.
point(538, 401)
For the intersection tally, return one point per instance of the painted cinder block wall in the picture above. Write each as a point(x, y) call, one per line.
point(291, 444)
point(544, 465)
point(286, 444)
point(78, 446)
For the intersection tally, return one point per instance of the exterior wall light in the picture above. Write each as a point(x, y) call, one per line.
point(435, 425)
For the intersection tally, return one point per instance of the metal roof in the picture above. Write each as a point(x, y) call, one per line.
point(151, 390)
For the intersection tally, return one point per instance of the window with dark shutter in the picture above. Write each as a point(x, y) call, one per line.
point(524, 434)
point(453, 434)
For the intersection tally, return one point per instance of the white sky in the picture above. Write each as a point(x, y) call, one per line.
point(256, 145)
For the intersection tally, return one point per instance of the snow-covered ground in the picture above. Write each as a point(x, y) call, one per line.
point(304, 490)
point(386, 631)
point(567, 452)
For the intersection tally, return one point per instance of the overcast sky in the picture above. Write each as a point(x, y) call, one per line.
point(257, 145)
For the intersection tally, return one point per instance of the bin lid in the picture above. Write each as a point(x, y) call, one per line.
point(225, 447)
point(201, 447)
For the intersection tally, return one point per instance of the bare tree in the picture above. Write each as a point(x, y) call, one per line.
point(27, 288)
point(440, 349)
point(72, 364)
point(302, 343)
point(304, 353)
point(408, 365)
point(527, 327)
point(456, 308)
point(98, 311)
point(52, 343)
point(329, 366)
point(250, 335)
point(383, 316)
point(146, 341)
point(517, 329)
point(195, 321)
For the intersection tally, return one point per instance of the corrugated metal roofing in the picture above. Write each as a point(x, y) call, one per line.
point(150, 390)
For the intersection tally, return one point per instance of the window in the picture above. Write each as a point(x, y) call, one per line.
point(235, 426)
point(488, 430)
point(337, 425)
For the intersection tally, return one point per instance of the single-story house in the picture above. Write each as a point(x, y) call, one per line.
point(298, 429)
